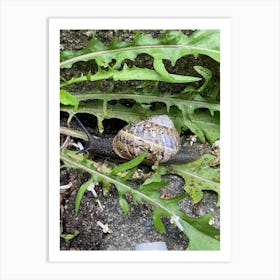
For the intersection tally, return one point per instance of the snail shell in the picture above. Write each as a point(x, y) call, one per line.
point(156, 135)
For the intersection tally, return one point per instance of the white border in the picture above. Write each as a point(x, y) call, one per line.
point(255, 139)
point(56, 24)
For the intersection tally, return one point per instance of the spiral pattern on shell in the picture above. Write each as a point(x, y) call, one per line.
point(156, 135)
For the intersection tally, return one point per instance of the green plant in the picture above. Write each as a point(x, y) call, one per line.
point(195, 108)
point(201, 235)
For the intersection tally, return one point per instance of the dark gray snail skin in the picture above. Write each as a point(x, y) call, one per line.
point(100, 145)
point(156, 135)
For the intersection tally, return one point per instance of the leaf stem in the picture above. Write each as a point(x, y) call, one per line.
point(148, 98)
point(142, 48)
point(191, 174)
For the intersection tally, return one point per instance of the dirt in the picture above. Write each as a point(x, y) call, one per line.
point(126, 230)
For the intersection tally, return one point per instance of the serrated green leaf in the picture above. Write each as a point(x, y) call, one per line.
point(201, 235)
point(209, 124)
point(133, 73)
point(198, 176)
point(171, 45)
point(200, 123)
point(181, 101)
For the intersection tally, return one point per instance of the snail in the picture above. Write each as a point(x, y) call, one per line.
point(157, 135)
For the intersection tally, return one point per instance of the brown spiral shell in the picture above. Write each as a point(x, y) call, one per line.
point(156, 135)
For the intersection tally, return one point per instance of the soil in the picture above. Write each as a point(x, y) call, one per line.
point(126, 231)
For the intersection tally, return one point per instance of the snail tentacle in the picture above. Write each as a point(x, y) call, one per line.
point(90, 144)
point(101, 146)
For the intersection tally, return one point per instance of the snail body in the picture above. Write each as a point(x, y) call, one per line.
point(156, 135)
